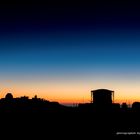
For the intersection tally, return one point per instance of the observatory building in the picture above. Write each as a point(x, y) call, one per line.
point(102, 97)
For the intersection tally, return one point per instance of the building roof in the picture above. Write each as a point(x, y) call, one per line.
point(102, 90)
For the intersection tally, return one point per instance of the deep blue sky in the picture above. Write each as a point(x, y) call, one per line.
point(59, 41)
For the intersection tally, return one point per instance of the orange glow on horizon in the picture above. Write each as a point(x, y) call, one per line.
point(67, 99)
point(68, 92)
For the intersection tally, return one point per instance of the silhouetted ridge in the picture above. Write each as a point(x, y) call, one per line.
point(102, 114)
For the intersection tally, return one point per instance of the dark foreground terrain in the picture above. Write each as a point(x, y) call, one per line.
point(70, 124)
point(23, 118)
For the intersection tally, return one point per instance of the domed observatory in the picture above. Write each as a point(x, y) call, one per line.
point(9, 96)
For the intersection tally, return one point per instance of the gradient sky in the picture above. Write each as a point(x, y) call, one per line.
point(63, 51)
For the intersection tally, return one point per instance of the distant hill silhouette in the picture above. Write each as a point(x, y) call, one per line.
point(24, 104)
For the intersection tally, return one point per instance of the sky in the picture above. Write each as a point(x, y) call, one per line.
point(62, 51)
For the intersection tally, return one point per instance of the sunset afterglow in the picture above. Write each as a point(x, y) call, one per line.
point(62, 53)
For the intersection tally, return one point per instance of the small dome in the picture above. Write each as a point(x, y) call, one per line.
point(9, 96)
